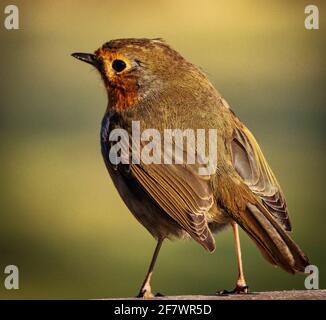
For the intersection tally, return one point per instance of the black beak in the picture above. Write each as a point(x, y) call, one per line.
point(87, 57)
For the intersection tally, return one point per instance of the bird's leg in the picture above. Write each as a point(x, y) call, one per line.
point(145, 290)
point(241, 286)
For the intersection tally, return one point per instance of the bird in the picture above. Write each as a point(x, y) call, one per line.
point(146, 80)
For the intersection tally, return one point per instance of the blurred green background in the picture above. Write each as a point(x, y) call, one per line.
point(63, 223)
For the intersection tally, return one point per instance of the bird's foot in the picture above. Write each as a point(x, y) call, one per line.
point(243, 289)
point(148, 294)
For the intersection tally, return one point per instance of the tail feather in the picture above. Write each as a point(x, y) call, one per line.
point(272, 240)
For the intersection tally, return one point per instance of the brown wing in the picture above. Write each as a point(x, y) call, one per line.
point(183, 195)
point(251, 165)
point(251, 195)
point(178, 189)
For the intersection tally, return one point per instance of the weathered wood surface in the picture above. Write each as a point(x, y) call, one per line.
point(272, 295)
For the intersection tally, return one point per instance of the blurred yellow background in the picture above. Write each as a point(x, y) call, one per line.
point(63, 223)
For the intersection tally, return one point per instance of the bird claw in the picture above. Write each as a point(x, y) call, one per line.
point(237, 290)
point(159, 295)
point(145, 294)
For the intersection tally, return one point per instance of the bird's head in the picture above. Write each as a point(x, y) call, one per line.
point(133, 69)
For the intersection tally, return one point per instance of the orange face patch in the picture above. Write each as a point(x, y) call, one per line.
point(122, 86)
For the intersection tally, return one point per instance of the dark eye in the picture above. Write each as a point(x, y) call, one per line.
point(118, 65)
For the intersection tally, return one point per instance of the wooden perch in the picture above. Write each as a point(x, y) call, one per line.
point(271, 295)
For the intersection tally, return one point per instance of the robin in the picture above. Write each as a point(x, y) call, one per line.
point(148, 81)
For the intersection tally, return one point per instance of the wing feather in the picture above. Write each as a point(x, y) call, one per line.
point(181, 200)
point(251, 165)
